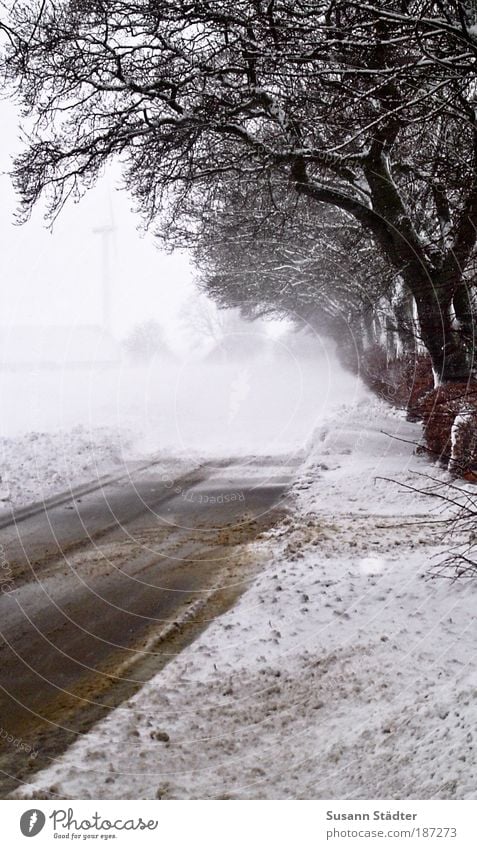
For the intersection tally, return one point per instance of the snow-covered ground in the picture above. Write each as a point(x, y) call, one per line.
point(37, 465)
point(63, 427)
point(343, 671)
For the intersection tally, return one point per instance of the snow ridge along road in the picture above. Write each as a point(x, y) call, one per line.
point(101, 589)
point(342, 672)
point(15, 516)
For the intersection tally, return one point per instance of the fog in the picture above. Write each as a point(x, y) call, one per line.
point(268, 403)
point(54, 276)
point(72, 295)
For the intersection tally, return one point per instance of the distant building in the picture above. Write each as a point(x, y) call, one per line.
point(23, 347)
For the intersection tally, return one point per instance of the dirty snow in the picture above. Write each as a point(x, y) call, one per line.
point(344, 671)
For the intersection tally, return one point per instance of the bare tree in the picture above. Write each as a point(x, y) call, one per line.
point(269, 253)
point(366, 107)
point(146, 341)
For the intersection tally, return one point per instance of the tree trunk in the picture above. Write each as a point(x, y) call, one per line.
point(392, 228)
point(449, 356)
point(402, 307)
point(433, 290)
point(464, 310)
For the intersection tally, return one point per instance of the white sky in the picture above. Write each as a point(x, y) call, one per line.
point(56, 278)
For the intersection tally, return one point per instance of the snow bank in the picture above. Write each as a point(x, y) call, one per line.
point(36, 465)
point(60, 428)
point(343, 672)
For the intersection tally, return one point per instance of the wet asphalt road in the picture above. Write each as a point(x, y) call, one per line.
point(100, 591)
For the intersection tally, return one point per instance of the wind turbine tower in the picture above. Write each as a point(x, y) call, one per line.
point(106, 231)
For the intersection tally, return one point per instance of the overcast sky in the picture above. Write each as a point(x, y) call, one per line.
point(56, 278)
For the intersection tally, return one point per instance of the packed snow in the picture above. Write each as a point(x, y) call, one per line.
point(344, 671)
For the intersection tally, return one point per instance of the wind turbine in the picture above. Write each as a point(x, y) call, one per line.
point(106, 231)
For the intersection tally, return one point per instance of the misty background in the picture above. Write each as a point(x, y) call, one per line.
point(101, 329)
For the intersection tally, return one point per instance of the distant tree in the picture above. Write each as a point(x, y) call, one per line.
point(365, 107)
point(146, 341)
point(213, 328)
point(204, 321)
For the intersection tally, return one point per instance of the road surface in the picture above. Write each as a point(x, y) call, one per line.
point(101, 590)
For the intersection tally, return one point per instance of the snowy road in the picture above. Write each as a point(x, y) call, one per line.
point(343, 672)
point(102, 590)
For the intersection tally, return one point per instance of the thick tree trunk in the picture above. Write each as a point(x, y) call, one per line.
point(449, 356)
point(433, 290)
